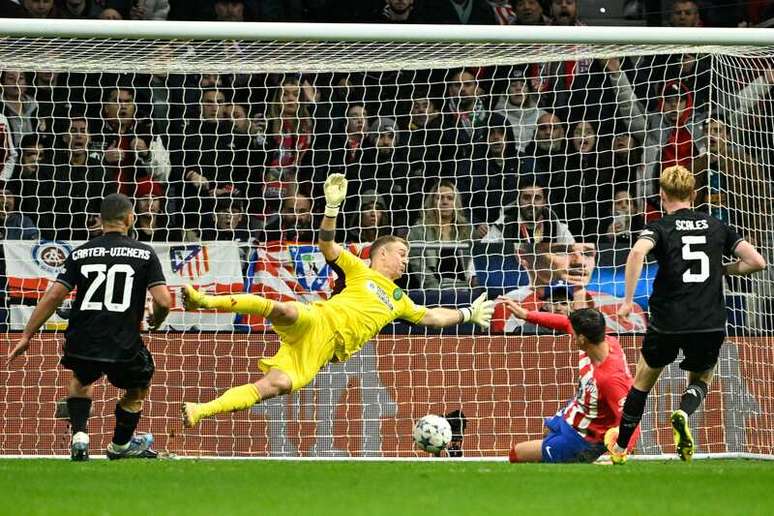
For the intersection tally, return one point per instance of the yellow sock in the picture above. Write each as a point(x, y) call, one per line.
point(240, 303)
point(236, 398)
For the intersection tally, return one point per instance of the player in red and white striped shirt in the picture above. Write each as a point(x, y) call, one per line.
point(577, 432)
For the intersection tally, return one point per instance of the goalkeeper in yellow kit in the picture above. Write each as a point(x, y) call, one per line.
point(311, 335)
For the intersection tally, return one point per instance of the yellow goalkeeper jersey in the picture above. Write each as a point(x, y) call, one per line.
point(368, 303)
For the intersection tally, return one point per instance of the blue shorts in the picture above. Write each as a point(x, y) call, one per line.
point(564, 444)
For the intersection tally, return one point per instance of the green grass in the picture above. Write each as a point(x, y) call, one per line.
point(442, 487)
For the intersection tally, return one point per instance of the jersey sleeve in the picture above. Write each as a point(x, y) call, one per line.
point(553, 321)
point(411, 311)
point(651, 232)
point(68, 276)
point(155, 274)
point(349, 264)
point(732, 240)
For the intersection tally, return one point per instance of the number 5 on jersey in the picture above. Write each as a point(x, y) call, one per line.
point(693, 255)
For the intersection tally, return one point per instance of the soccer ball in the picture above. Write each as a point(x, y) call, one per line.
point(432, 433)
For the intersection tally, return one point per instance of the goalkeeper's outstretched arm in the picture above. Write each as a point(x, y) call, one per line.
point(335, 193)
point(480, 313)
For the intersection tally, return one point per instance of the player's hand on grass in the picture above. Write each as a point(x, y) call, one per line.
point(513, 307)
point(335, 192)
point(625, 309)
point(480, 312)
point(19, 349)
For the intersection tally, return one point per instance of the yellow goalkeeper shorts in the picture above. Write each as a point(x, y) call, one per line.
point(306, 346)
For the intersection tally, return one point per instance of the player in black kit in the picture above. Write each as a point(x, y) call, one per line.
point(687, 306)
point(111, 274)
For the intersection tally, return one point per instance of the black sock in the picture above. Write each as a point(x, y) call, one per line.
point(79, 409)
point(633, 408)
point(693, 396)
point(126, 422)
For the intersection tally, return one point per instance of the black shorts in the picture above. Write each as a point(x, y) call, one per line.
point(134, 374)
point(700, 350)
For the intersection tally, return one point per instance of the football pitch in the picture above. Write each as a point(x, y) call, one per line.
point(446, 487)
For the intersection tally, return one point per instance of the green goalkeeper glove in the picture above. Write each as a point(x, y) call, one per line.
point(480, 312)
point(335, 192)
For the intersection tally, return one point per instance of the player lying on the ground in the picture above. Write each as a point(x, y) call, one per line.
point(311, 335)
point(577, 433)
point(111, 274)
point(687, 306)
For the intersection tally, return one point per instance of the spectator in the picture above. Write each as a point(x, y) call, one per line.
point(13, 224)
point(229, 222)
point(583, 194)
point(385, 171)
point(520, 106)
point(458, 12)
point(546, 155)
point(229, 10)
point(51, 92)
point(440, 251)
point(349, 147)
point(289, 140)
point(732, 186)
point(495, 175)
point(396, 11)
point(565, 13)
point(142, 9)
point(40, 8)
point(80, 9)
point(294, 223)
point(431, 144)
point(467, 115)
point(684, 13)
point(529, 218)
point(8, 152)
point(33, 183)
point(627, 221)
point(372, 219)
point(80, 183)
point(626, 158)
point(216, 161)
point(19, 108)
point(503, 12)
point(530, 12)
point(552, 265)
point(125, 138)
point(153, 224)
point(110, 14)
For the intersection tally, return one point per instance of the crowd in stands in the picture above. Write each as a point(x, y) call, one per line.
point(547, 154)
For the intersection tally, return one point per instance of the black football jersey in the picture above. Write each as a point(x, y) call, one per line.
point(688, 289)
point(112, 274)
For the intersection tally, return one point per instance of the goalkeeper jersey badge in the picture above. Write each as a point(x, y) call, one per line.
point(397, 294)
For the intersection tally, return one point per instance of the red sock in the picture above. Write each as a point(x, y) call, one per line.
point(512, 457)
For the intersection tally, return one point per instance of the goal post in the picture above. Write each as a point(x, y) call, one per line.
point(517, 161)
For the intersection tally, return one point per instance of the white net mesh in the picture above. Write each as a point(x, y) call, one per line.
point(524, 170)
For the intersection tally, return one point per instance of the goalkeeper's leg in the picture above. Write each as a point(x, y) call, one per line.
point(274, 383)
point(277, 312)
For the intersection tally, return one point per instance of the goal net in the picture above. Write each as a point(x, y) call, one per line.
point(513, 168)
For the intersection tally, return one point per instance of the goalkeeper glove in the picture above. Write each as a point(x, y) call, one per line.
point(480, 312)
point(335, 191)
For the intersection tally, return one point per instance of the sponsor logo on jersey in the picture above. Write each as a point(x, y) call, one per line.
point(381, 294)
point(311, 269)
point(51, 255)
point(189, 261)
